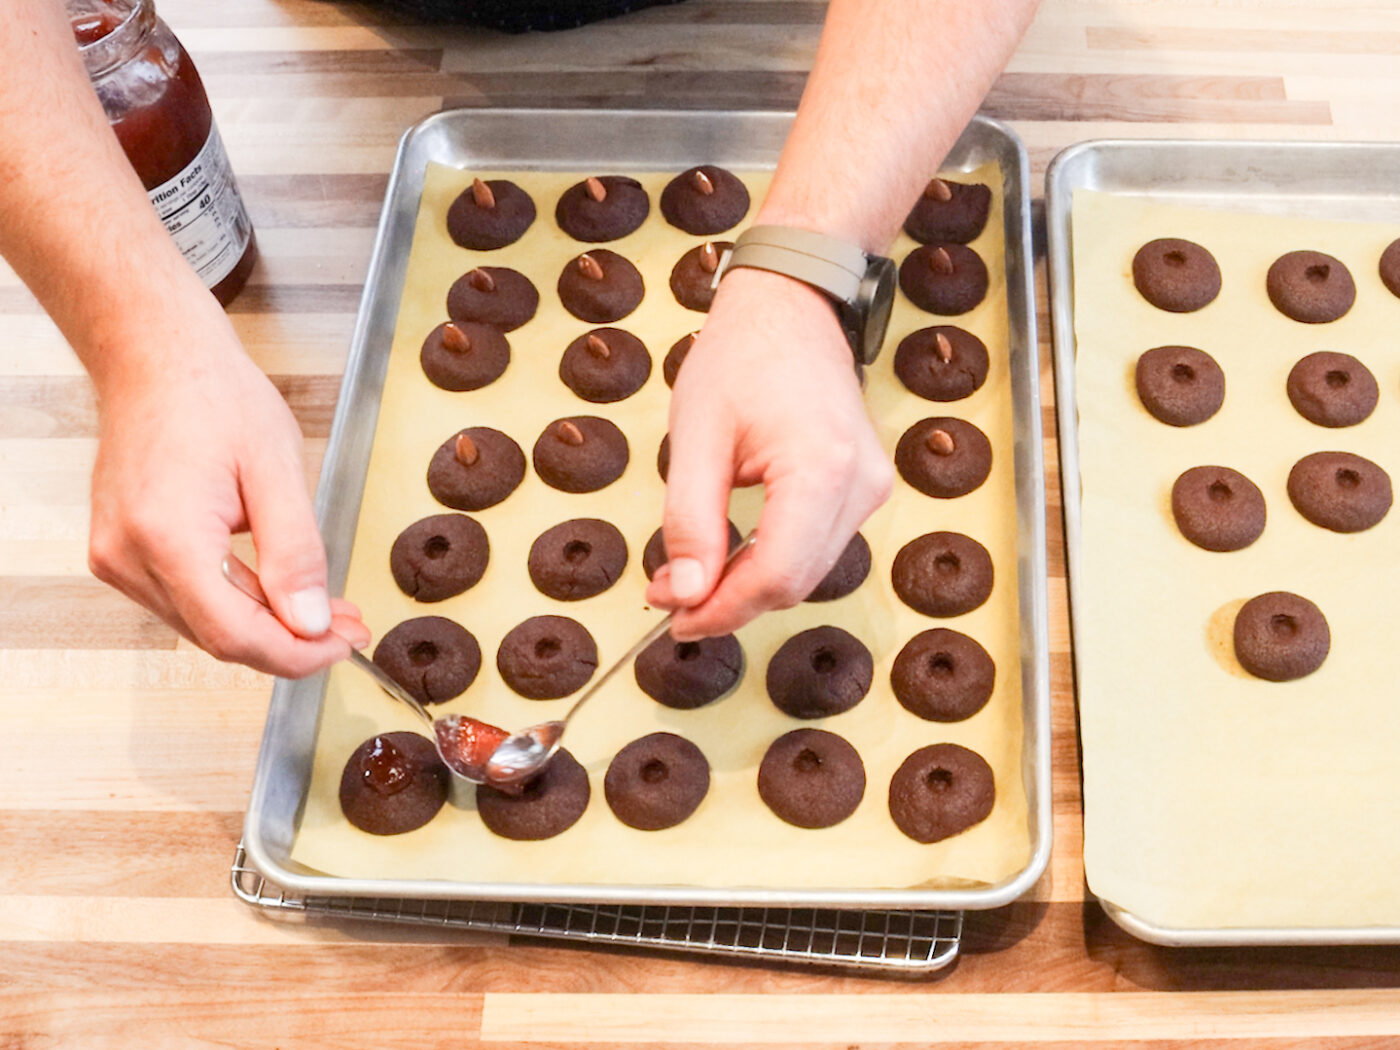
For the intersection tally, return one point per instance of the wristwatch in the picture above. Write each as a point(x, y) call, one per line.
point(860, 286)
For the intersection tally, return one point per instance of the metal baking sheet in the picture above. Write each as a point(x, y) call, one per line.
point(1332, 180)
point(643, 141)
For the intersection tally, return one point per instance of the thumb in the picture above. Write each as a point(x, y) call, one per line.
point(696, 523)
point(291, 557)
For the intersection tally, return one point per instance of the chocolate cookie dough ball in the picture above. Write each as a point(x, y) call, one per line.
point(704, 200)
point(605, 365)
point(547, 657)
point(949, 211)
point(602, 208)
point(577, 559)
point(847, 574)
point(811, 778)
point(393, 783)
point(943, 676)
point(687, 675)
point(493, 295)
point(1340, 491)
point(1390, 267)
point(940, 791)
point(1217, 508)
point(663, 457)
point(475, 469)
point(693, 276)
point(432, 657)
point(600, 287)
point(671, 365)
point(1332, 390)
point(944, 278)
point(819, 673)
point(1176, 275)
point(942, 363)
point(943, 574)
point(654, 553)
point(656, 781)
point(464, 356)
point(1310, 287)
point(490, 215)
point(580, 454)
point(545, 807)
point(1281, 636)
point(1180, 385)
point(439, 557)
point(944, 457)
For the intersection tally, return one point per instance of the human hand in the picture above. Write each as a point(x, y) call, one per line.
point(767, 394)
point(191, 451)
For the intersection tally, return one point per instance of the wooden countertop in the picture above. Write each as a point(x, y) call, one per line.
point(117, 926)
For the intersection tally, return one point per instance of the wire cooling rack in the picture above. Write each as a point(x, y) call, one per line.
point(891, 943)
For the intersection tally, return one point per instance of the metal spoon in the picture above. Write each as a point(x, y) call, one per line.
point(464, 743)
point(524, 754)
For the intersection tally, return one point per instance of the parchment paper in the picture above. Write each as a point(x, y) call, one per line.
point(1212, 798)
point(732, 840)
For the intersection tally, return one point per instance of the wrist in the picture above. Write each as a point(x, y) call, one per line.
point(767, 301)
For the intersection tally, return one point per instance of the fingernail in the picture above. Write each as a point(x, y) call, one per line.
point(687, 578)
point(311, 609)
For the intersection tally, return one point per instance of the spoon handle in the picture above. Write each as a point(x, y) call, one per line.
point(246, 580)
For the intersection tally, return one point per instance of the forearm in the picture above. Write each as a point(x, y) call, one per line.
point(75, 222)
point(893, 85)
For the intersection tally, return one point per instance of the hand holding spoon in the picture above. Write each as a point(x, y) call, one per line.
point(465, 744)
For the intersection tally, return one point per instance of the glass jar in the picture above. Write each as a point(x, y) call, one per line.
point(156, 104)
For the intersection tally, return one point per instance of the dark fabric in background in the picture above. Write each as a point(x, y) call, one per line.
point(516, 16)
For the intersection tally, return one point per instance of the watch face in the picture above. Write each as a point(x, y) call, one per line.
point(875, 300)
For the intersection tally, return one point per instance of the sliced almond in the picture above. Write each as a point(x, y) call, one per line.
point(940, 443)
point(568, 432)
point(703, 183)
point(597, 347)
point(943, 347)
point(454, 339)
point(481, 280)
point(588, 266)
point(481, 193)
point(466, 450)
point(938, 190)
point(595, 188)
point(709, 257)
point(940, 262)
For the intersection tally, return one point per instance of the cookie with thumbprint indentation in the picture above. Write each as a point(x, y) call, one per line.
point(940, 791)
point(546, 806)
point(434, 658)
point(547, 657)
point(489, 214)
point(393, 783)
point(943, 676)
point(943, 574)
point(577, 559)
point(941, 363)
point(944, 278)
point(602, 208)
point(949, 211)
point(1217, 508)
point(1180, 385)
point(476, 468)
point(1311, 287)
point(687, 675)
point(494, 295)
point(654, 554)
point(464, 356)
point(1340, 491)
point(605, 365)
point(439, 557)
point(656, 781)
point(1176, 275)
point(820, 672)
point(1281, 636)
point(1332, 390)
point(811, 778)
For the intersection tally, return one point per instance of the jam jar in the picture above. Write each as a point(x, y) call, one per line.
point(157, 106)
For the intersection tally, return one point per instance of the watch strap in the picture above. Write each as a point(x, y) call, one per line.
point(829, 264)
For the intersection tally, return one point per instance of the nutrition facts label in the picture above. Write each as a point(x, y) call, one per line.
point(202, 210)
